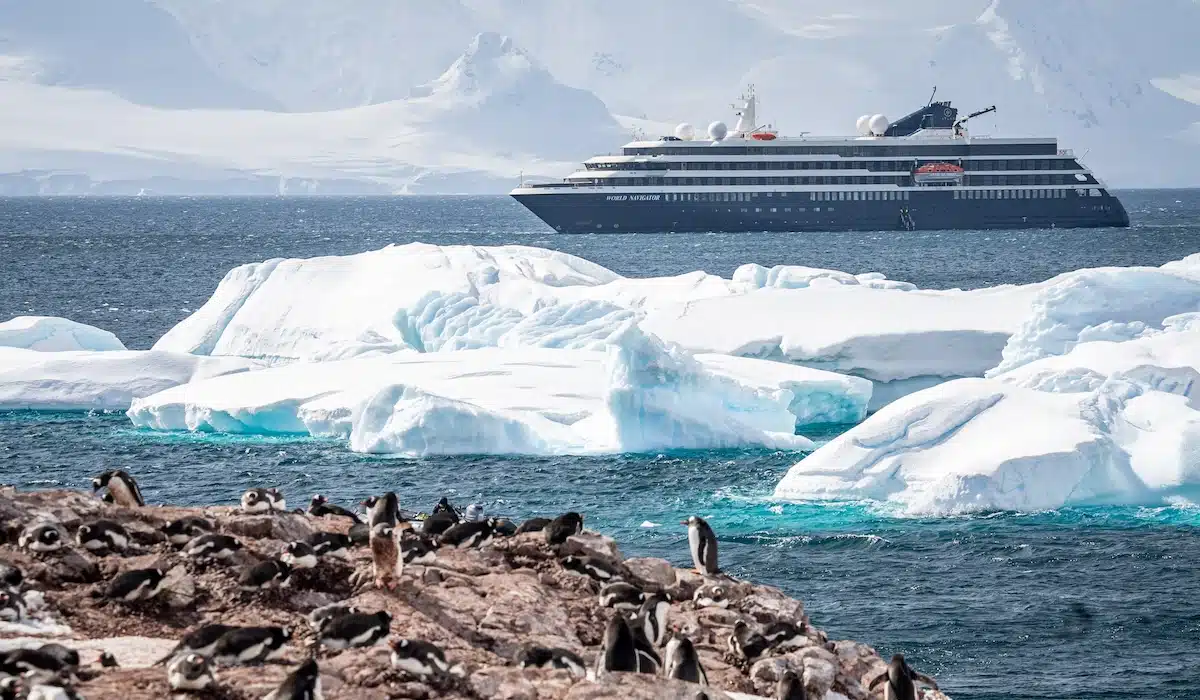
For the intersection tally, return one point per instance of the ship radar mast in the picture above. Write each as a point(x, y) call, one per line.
point(746, 123)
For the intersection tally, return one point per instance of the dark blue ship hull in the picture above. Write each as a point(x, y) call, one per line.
point(935, 209)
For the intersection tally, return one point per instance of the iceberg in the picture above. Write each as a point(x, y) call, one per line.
point(110, 380)
point(53, 334)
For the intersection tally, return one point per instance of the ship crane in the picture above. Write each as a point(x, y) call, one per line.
point(958, 125)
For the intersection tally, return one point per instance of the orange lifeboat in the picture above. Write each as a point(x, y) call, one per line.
point(938, 174)
point(763, 136)
point(940, 168)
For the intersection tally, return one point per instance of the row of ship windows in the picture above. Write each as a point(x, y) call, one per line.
point(874, 165)
point(873, 195)
point(922, 150)
point(978, 180)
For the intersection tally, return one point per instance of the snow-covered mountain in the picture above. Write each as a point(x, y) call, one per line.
point(378, 95)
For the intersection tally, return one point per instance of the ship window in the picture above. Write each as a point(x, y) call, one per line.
point(802, 210)
point(816, 208)
point(774, 210)
point(828, 208)
point(757, 210)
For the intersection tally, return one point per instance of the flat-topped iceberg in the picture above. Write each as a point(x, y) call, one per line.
point(53, 334)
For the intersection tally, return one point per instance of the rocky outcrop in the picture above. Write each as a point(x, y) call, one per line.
point(480, 606)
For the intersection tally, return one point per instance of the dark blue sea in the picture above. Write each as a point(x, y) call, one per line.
point(1079, 603)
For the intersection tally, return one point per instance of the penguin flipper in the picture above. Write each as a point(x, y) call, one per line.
point(925, 679)
point(877, 680)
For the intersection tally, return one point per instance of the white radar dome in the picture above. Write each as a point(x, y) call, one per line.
point(879, 124)
point(685, 132)
point(863, 125)
point(717, 131)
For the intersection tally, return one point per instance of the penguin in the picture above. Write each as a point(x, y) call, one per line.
point(703, 544)
point(22, 661)
point(683, 663)
point(302, 684)
point(901, 680)
point(359, 534)
point(621, 596)
point(263, 501)
point(212, 546)
point(10, 687)
point(594, 567)
point(67, 658)
point(558, 530)
point(503, 527)
point(440, 521)
point(243, 646)
point(299, 555)
point(107, 660)
point(647, 658)
point(542, 657)
point(468, 534)
point(180, 532)
point(791, 687)
point(745, 642)
point(420, 659)
point(415, 549)
point(652, 617)
point(201, 641)
point(190, 672)
point(318, 618)
point(12, 606)
point(784, 635)
point(264, 575)
point(11, 575)
point(356, 630)
point(533, 525)
point(136, 585)
point(320, 507)
point(711, 595)
point(382, 511)
point(386, 562)
point(102, 535)
point(330, 544)
point(619, 651)
point(50, 686)
point(122, 488)
point(41, 537)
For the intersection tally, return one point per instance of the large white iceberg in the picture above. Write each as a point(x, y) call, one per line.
point(639, 395)
point(99, 380)
point(53, 334)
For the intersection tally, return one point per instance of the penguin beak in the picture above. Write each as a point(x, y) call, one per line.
point(683, 522)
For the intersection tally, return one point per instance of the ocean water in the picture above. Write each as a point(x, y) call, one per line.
point(1077, 603)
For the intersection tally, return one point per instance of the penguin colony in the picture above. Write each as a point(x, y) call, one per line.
point(638, 635)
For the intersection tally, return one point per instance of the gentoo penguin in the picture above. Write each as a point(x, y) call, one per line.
point(190, 672)
point(299, 555)
point(122, 488)
point(180, 532)
point(651, 618)
point(11, 575)
point(416, 549)
point(102, 535)
point(901, 680)
point(67, 658)
point(12, 606)
point(595, 567)
point(469, 533)
point(562, 527)
point(784, 635)
point(263, 501)
point(302, 684)
point(330, 544)
point(107, 660)
point(440, 521)
point(711, 595)
point(250, 645)
point(136, 585)
point(621, 596)
point(271, 573)
point(385, 556)
point(533, 525)
point(320, 507)
point(211, 546)
point(318, 618)
point(647, 657)
point(10, 687)
point(552, 657)
point(682, 661)
point(201, 641)
point(703, 543)
point(791, 687)
point(420, 659)
point(356, 630)
point(41, 537)
point(21, 661)
point(382, 510)
point(745, 642)
point(50, 686)
point(359, 534)
point(619, 652)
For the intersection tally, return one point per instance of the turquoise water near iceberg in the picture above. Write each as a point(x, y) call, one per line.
point(1078, 603)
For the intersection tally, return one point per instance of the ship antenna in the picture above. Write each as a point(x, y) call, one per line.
point(932, 96)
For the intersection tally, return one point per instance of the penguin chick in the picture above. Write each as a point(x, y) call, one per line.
point(318, 618)
point(621, 596)
point(594, 567)
point(468, 534)
point(271, 573)
point(533, 525)
point(263, 501)
point(136, 585)
point(543, 657)
point(201, 641)
point(356, 630)
point(683, 663)
point(558, 530)
point(651, 618)
point(320, 507)
point(304, 683)
point(702, 542)
point(251, 645)
point(121, 488)
point(385, 557)
point(420, 659)
point(102, 535)
point(212, 546)
point(180, 532)
point(190, 672)
point(41, 537)
point(330, 544)
point(299, 555)
point(791, 687)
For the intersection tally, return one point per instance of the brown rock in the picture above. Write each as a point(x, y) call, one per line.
point(589, 543)
point(657, 572)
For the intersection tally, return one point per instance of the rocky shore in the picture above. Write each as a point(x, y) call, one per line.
point(480, 605)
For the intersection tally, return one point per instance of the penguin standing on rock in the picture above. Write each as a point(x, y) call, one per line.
point(41, 538)
point(264, 575)
point(180, 532)
point(190, 672)
point(791, 687)
point(122, 488)
point(901, 680)
point(201, 641)
point(542, 657)
point(102, 535)
point(263, 501)
point(302, 684)
point(619, 651)
point(356, 630)
point(386, 562)
point(136, 586)
point(243, 646)
point(320, 507)
point(469, 534)
point(683, 663)
point(702, 541)
point(652, 618)
point(420, 659)
point(558, 530)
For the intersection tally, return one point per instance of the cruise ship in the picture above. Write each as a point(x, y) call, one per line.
point(923, 172)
